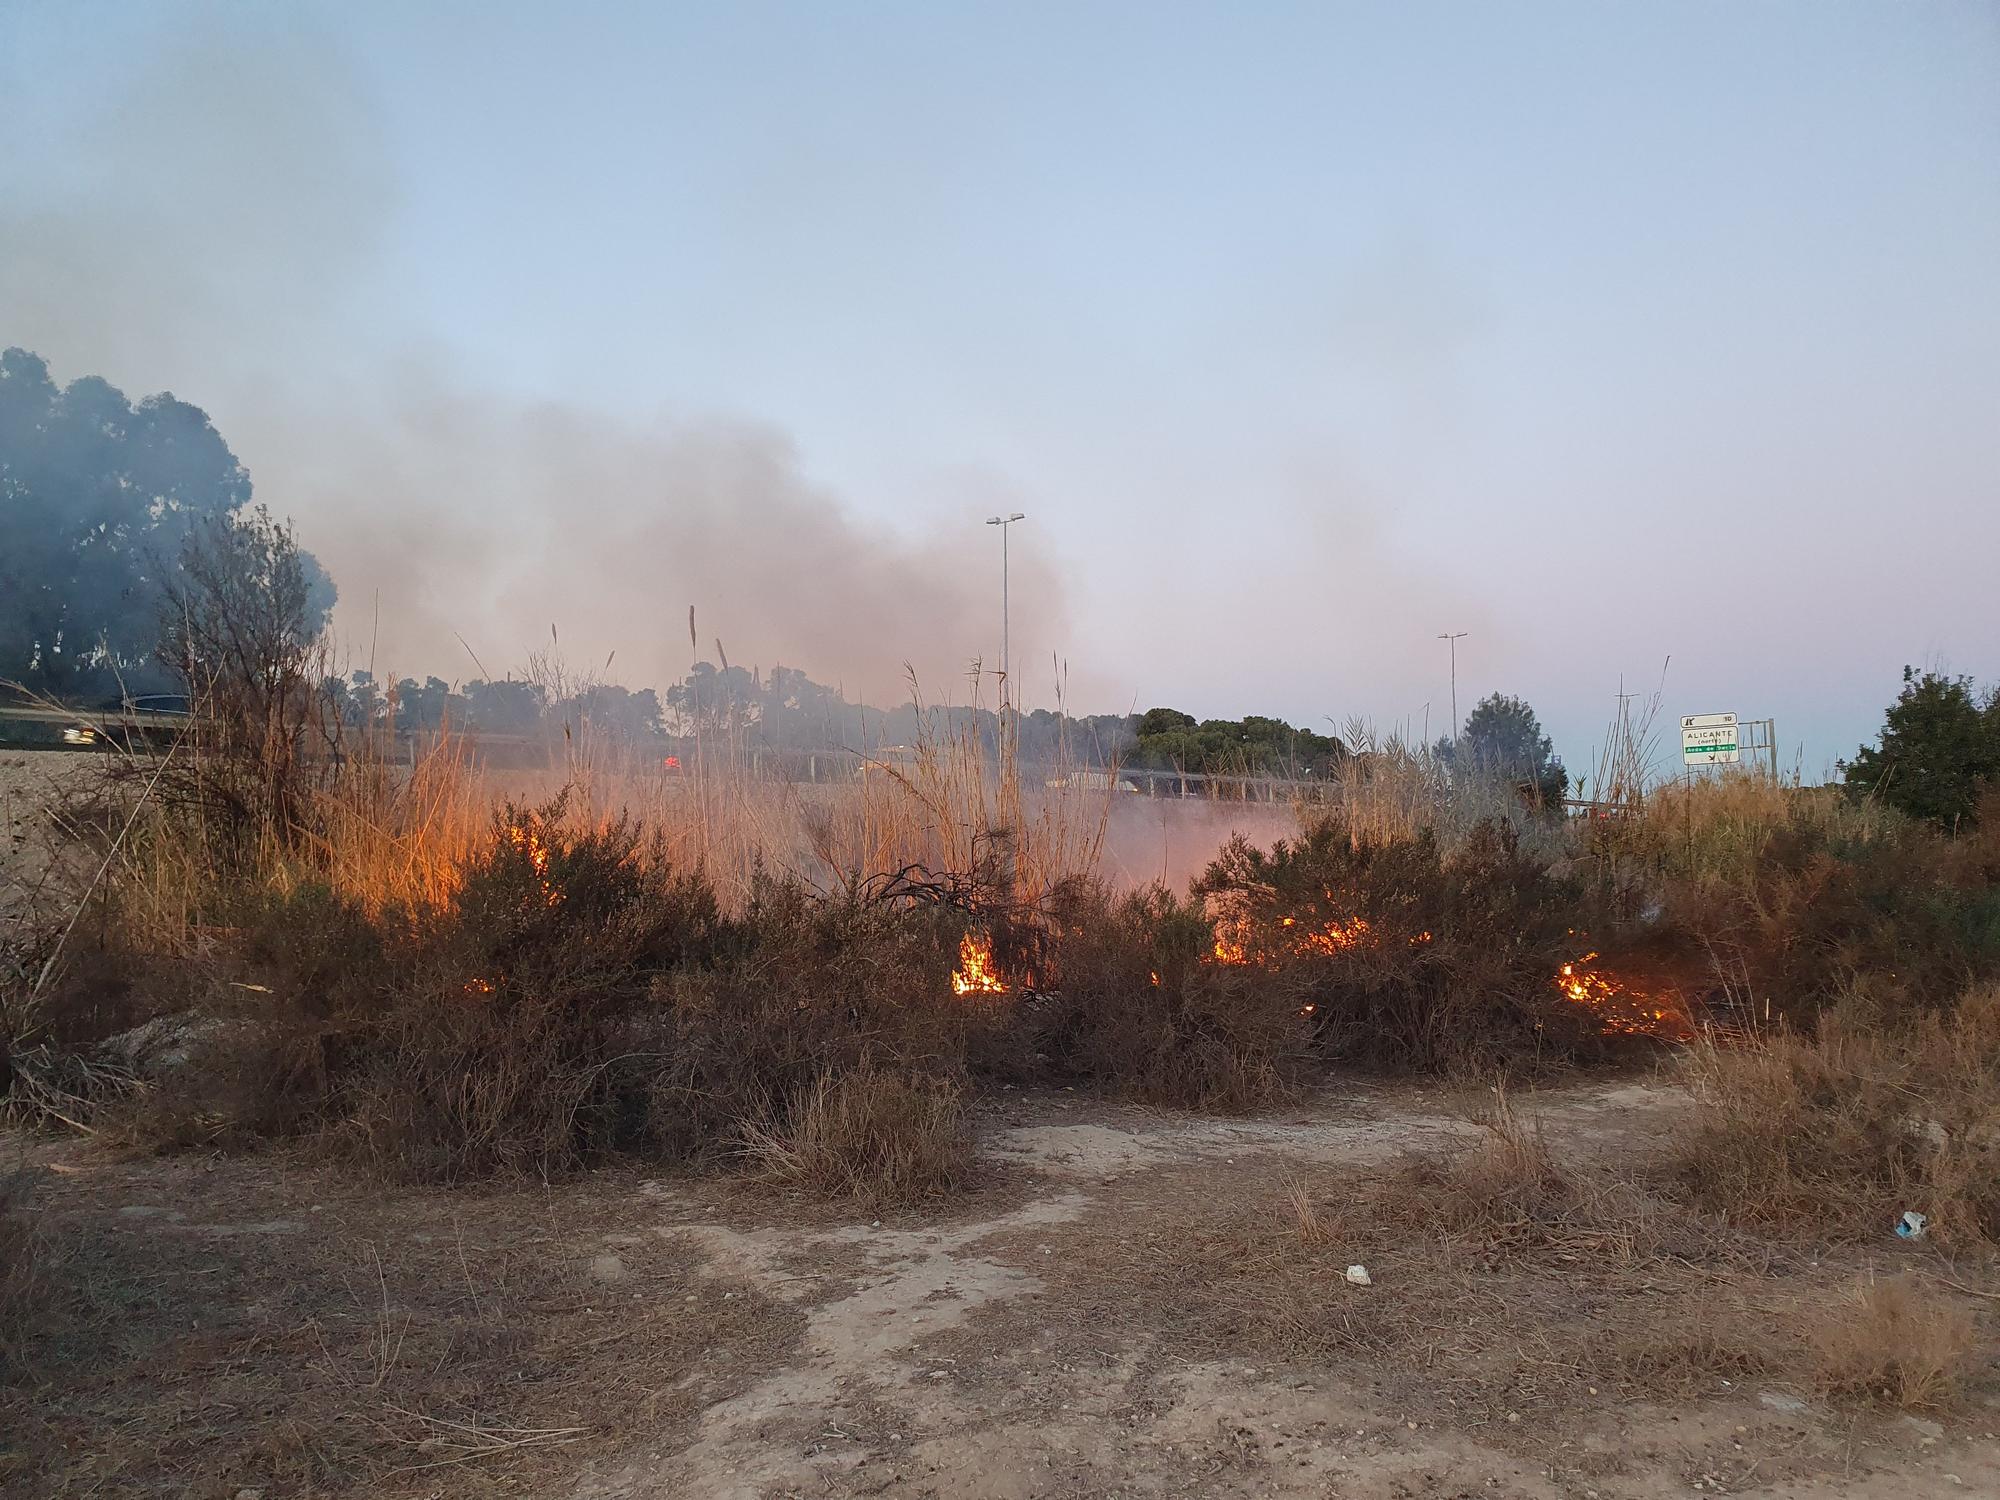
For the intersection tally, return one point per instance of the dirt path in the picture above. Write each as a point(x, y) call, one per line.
point(945, 1368)
point(1082, 1325)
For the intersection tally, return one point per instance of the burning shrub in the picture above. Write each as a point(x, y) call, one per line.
point(519, 1034)
point(1139, 1008)
point(1844, 1130)
point(1402, 954)
point(508, 1030)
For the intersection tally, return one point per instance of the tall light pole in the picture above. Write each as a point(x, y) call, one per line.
point(1003, 522)
point(1454, 637)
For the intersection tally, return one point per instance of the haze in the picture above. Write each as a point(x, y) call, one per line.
point(1300, 334)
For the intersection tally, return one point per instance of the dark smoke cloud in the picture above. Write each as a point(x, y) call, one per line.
point(209, 229)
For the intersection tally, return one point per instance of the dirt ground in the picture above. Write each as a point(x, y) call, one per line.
point(30, 783)
point(216, 1326)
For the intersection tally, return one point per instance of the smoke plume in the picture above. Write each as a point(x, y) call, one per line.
point(206, 232)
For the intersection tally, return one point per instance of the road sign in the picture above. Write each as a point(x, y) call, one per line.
point(1709, 740)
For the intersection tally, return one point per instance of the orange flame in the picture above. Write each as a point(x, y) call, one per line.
point(1236, 938)
point(530, 840)
point(975, 974)
point(1336, 936)
point(1621, 1009)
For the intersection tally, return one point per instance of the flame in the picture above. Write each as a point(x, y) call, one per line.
point(1336, 936)
point(1620, 1008)
point(530, 841)
point(1236, 939)
point(975, 974)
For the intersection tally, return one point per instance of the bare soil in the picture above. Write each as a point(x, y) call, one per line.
point(33, 784)
point(1110, 1311)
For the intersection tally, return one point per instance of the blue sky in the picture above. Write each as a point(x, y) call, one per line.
point(1301, 333)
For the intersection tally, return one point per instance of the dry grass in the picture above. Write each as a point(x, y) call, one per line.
point(1306, 1218)
point(1500, 1283)
point(1895, 1341)
point(1390, 791)
point(1837, 1134)
point(387, 1344)
point(870, 1134)
point(1512, 1274)
point(1713, 830)
point(20, 1251)
point(386, 836)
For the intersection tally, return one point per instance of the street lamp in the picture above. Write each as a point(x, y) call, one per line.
point(1454, 637)
point(1003, 522)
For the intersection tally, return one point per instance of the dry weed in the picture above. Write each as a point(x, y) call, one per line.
point(1312, 1227)
point(20, 1247)
point(1895, 1341)
point(871, 1134)
point(409, 1344)
point(1840, 1132)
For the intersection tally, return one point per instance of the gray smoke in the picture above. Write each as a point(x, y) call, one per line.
point(201, 230)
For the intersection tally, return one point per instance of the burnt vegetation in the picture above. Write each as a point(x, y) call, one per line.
point(330, 950)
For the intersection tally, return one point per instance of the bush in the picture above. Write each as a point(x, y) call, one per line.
point(578, 996)
point(507, 1031)
point(872, 1134)
point(516, 1029)
point(1409, 956)
point(817, 987)
point(1842, 1131)
point(1136, 1009)
point(1898, 914)
point(1939, 750)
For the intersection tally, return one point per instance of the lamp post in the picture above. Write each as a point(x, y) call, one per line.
point(1003, 522)
point(1454, 637)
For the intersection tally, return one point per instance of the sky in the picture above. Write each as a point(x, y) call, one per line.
point(1655, 347)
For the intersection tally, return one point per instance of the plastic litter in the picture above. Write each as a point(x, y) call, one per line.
point(1358, 1276)
point(1912, 1225)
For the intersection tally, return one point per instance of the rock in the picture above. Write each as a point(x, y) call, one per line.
point(1358, 1276)
point(1779, 1401)
point(163, 1044)
point(608, 1268)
